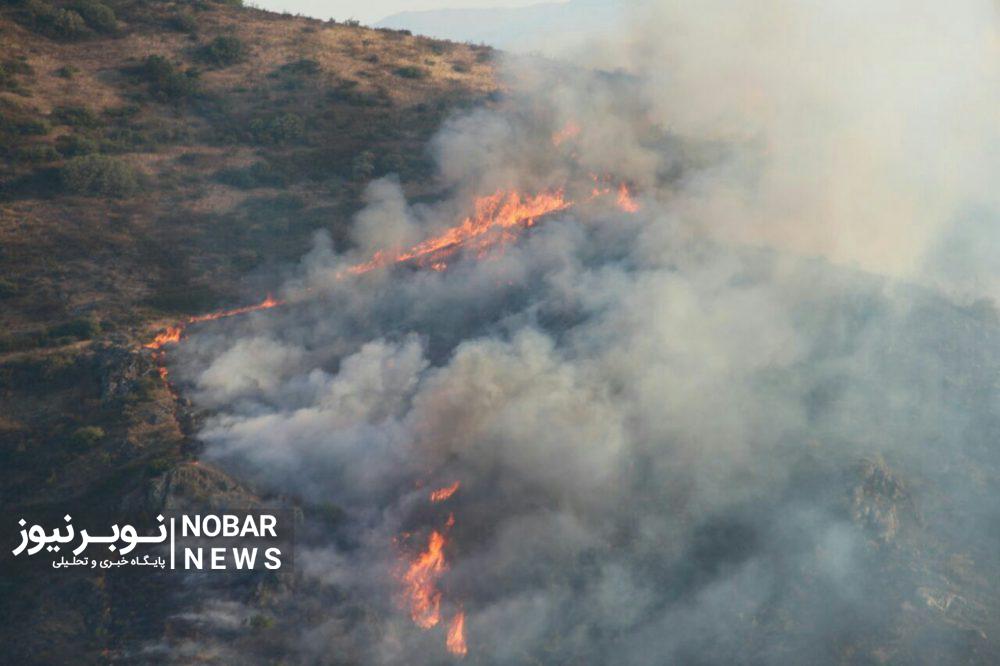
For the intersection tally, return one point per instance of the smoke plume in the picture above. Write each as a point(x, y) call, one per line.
point(748, 418)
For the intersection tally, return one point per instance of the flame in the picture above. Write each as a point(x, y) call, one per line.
point(569, 131)
point(496, 219)
point(441, 494)
point(625, 200)
point(171, 334)
point(266, 304)
point(421, 583)
point(456, 635)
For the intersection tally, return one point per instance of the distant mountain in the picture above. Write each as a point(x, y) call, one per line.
point(544, 27)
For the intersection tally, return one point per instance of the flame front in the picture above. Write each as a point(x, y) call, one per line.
point(441, 494)
point(421, 583)
point(625, 200)
point(266, 304)
point(171, 334)
point(495, 221)
point(569, 131)
point(456, 635)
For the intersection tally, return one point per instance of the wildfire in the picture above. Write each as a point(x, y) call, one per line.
point(441, 494)
point(569, 131)
point(495, 219)
point(456, 635)
point(171, 334)
point(421, 583)
point(625, 200)
point(266, 304)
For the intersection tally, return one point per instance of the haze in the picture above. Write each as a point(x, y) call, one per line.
point(374, 10)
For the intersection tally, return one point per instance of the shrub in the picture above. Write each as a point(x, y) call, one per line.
point(84, 328)
point(183, 22)
point(73, 145)
point(301, 67)
point(68, 24)
point(38, 153)
point(97, 15)
point(260, 622)
point(87, 436)
point(166, 81)
point(76, 116)
point(363, 165)
point(66, 72)
point(411, 72)
point(280, 128)
point(20, 125)
point(8, 288)
point(258, 174)
point(223, 51)
point(99, 175)
point(9, 70)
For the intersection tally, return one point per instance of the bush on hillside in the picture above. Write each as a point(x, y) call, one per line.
point(223, 51)
point(280, 128)
point(97, 15)
point(99, 175)
point(411, 72)
point(76, 116)
point(167, 82)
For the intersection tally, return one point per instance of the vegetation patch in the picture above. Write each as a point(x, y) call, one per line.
point(223, 51)
point(167, 82)
point(411, 72)
point(99, 175)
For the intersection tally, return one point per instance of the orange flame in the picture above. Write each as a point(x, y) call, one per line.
point(569, 131)
point(266, 304)
point(625, 200)
point(456, 635)
point(421, 583)
point(492, 224)
point(171, 334)
point(441, 494)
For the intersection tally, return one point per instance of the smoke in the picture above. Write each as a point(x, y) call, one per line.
point(729, 427)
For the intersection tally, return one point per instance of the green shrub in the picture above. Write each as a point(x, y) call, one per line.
point(74, 145)
point(9, 70)
point(97, 15)
point(158, 466)
point(223, 51)
point(411, 72)
point(18, 125)
point(166, 81)
point(99, 175)
point(84, 328)
point(87, 436)
point(260, 622)
point(301, 67)
point(8, 288)
point(76, 116)
point(363, 166)
point(66, 72)
point(258, 174)
point(183, 22)
point(280, 128)
point(37, 153)
point(68, 24)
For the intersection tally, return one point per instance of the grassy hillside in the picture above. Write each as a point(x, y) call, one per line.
point(156, 155)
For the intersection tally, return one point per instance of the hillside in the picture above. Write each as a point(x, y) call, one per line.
point(160, 160)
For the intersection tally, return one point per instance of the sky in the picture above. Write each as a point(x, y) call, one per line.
point(370, 11)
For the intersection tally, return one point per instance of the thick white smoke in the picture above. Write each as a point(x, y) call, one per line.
point(660, 420)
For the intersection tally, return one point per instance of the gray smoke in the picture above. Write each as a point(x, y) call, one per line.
point(752, 422)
